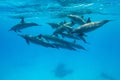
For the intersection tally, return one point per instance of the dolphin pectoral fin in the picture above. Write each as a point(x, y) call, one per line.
point(27, 41)
point(81, 36)
point(83, 39)
point(89, 20)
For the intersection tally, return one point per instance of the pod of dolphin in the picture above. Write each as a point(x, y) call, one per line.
point(63, 29)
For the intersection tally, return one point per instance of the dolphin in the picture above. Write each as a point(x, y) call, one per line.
point(62, 28)
point(69, 23)
point(61, 41)
point(53, 39)
point(74, 36)
point(57, 25)
point(77, 19)
point(68, 35)
point(88, 27)
point(23, 25)
point(36, 40)
point(58, 45)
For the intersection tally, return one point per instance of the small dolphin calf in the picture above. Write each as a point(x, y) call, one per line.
point(88, 27)
point(23, 25)
point(36, 40)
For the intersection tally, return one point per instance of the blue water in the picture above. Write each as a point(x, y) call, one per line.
point(19, 61)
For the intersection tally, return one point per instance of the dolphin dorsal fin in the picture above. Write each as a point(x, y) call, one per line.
point(72, 22)
point(22, 20)
point(40, 36)
point(89, 20)
point(82, 17)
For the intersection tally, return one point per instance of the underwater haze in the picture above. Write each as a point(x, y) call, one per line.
point(24, 59)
